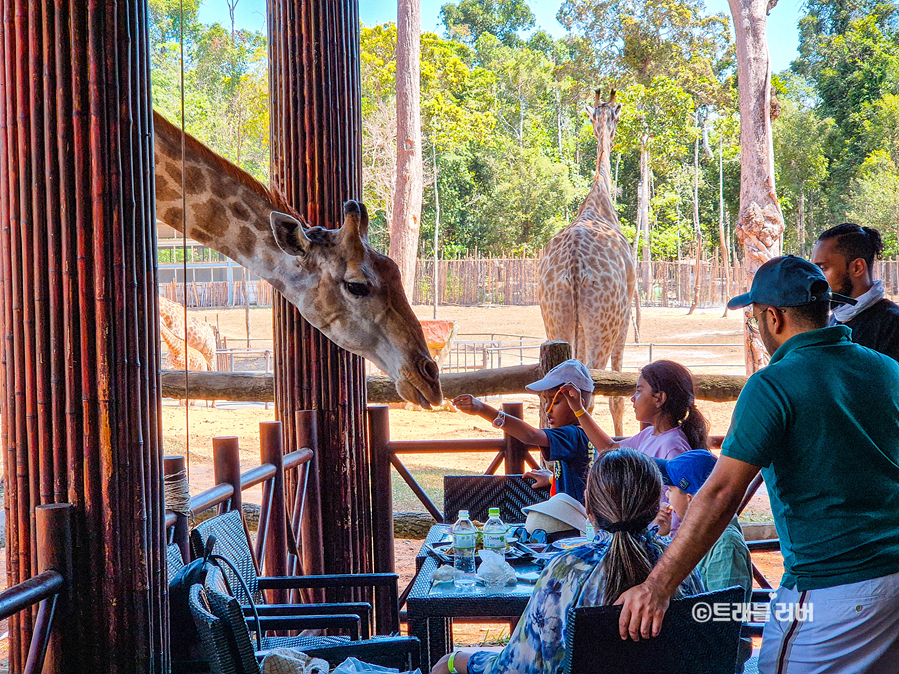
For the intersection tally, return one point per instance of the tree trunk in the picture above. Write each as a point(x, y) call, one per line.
point(406, 221)
point(697, 269)
point(761, 224)
point(644, 211)
point(642, 237)
point(802, 222)
point(722, 239)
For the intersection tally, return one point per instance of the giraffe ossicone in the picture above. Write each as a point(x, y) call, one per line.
point(587, 275)
point(338, 282)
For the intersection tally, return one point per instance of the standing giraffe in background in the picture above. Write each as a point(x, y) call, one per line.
point(200, 335)
point(181, 354)
point(587, 275)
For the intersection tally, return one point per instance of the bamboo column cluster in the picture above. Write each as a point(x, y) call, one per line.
point(79, 358)
point(316, 163)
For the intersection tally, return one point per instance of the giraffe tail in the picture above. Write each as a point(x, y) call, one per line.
point(636, 317)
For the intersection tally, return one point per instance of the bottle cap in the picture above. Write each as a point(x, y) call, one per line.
point(463, 514)
point(493, 512)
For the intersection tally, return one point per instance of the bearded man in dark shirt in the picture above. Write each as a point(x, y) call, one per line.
point(845, 254)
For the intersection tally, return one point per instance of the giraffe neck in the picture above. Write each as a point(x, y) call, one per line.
point(175, 343)
point(226, 208)
point(598, 204)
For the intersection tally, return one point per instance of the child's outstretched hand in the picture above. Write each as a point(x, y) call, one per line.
point(541, 477)
point(572, 396)
point(468, 403)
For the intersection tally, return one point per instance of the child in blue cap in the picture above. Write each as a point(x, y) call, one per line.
point(727, 563)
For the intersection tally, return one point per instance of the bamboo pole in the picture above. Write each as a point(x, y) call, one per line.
point(78, 352)
point(316, 163)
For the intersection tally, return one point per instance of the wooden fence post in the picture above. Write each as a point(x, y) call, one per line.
point(382, 506)
point(226, 468)
point(312, 557)
point(274, 551)
point(515, 449)
point(53, 526)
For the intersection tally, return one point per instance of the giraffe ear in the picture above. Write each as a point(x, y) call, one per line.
point(589, 111)
point(290, 234)
point(355, 220)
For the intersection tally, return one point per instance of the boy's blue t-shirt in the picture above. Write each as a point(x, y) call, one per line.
point(573, 454)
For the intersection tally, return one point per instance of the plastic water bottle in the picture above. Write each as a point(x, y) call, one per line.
point(591, 532)
point(495, 533)
point(464, 540)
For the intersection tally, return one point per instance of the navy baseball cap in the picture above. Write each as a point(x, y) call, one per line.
point(687, 471)
point(788, 281)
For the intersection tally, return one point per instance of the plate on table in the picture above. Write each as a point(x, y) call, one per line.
point(569, 543)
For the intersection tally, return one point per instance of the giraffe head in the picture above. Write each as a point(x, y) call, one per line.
point(353, 294)
point(604, 116)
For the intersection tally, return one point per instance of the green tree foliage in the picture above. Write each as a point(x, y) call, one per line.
point(468, 20)
point(849, 62)
point(225, 92)
point(801, 141)
point(638, 40)
point(875, 198)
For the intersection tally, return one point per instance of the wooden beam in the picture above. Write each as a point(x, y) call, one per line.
point(500, 381)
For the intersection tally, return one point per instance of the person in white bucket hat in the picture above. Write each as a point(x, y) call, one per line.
point(564, 441)
point(561, 516)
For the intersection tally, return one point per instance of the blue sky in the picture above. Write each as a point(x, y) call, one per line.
point(782, 29)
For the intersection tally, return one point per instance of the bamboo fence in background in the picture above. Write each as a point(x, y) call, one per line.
point(470, 281)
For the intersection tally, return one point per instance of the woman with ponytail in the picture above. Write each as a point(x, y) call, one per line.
point(622, 498)
point(665, 404)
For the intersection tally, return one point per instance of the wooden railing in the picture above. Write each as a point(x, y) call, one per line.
point(54, 557)
point(272, 550)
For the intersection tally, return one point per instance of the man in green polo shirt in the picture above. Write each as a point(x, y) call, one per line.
point(822, 424)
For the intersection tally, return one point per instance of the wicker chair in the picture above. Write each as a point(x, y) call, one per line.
point(173, 560)
point(402, 652)
point(233, 544)
point(478, 493)
point(685, 645)
point(219, 656)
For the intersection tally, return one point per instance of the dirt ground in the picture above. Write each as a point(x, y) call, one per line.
point(706, 331)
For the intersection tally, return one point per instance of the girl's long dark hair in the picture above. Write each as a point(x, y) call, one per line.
point(676, 382)
point(625, 487)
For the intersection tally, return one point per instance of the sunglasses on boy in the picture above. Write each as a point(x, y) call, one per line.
point(535, 536)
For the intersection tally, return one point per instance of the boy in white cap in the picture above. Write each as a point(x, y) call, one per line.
point(564, 441)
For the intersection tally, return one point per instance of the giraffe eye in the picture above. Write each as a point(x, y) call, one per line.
point(356, 289)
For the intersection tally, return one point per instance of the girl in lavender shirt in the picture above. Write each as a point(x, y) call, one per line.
point(664, 403)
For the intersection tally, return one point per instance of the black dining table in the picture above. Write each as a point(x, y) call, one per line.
point(431, 607)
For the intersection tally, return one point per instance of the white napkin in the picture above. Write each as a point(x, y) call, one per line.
point(495, 570)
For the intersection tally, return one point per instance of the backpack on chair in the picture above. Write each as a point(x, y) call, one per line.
point(185, 641)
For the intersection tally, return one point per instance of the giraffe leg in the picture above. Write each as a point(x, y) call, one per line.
point(616, 404)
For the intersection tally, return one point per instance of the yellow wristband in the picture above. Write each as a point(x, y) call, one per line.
point(580, 413)
point(451, 663)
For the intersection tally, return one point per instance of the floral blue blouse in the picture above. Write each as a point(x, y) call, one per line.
point(573, 578)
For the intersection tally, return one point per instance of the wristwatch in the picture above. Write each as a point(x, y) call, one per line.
point(500, 420)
